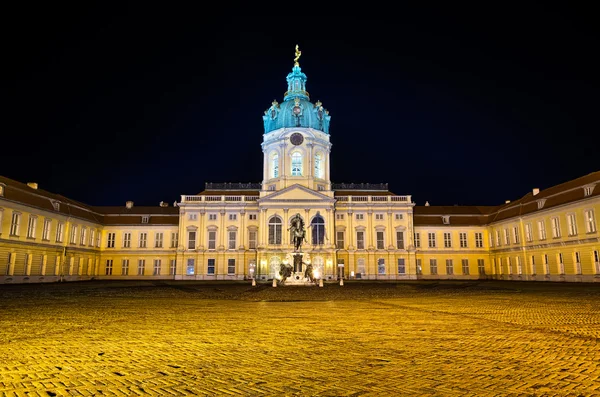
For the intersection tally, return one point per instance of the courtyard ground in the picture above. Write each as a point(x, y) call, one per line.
point(362, 339)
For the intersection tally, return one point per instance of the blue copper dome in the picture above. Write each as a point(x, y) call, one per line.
point(296, 110)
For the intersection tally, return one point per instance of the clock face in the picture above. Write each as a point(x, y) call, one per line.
point(296, 110)
point(296, 139)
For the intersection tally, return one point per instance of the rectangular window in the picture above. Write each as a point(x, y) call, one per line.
point(417, 240)
point(380, 243)
point(401, 266)
point(157, 267)
point(431, 237)
point(339, 240)
point(572, 222)
point(98, 235)
point(212, 217)
point(230, 266)
point(126, 240)
point(125, 267)
point(210, 268)
point(555, 227)
point(590, 221)
point(479, 240)
point(506, 236)
point(577, 258)
point(398, 217)
point(232, 237)
point(381, 266)
point(400, 240)
point(561, 264)
point(83, 236)
point(465, 266)
point(232, 217)
point(73, 234)
point(212, 240)
point(509, 265)
point(360, 217)
point(498, 242)
point(31, 226)
point(109, 267)
point(158, 240)
point(519, 265)
point(447, 240)
point(546, 264)
point(252, 217)
point(339, 216)
point(516, 238)
point(491, 238)
point(419, 267)
point(449, 267)
point(463, 239)
point(378, 217)
point(143, 240)
point(433, 266)
point(15, 224)
point(528, 234)
point(141, 267)
point(542, 229)
point(92, 237)
point(172, 267)
point(192, 216)
point(191, 240)
point(360, 240)
point(252, 239)
point(596, 259)
point(481, 266)
point(174, 239)
point(110, 242)
point(191, 267)
point(60, 227)
point(145, 219)
point(46, 230)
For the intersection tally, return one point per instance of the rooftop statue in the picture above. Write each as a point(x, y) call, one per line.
point(298, 53)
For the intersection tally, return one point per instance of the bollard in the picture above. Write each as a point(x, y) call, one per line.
point(274, 282)
point(341, 282)
point(320, 282)
point(254, 282)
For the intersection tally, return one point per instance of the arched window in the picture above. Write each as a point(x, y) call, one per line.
point(275, 166)
point(297, 164)
point(275, 230)
point(318, 230)
point(318, 166)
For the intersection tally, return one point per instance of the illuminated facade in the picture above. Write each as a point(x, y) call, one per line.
point(241, 231)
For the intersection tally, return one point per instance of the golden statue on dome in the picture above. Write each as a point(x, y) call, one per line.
point(297, 57)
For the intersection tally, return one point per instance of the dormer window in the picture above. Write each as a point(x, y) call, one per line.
point(145, 219)
point(2, 189)
point(541, 203)
point(588, 190)
point(446, 219)
point(56, 205)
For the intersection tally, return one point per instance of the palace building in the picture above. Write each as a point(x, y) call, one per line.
point(232, 231)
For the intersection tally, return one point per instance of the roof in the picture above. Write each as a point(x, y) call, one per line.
point(363, 193)
point(249, 192)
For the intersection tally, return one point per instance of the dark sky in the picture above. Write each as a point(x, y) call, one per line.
point(143, 103)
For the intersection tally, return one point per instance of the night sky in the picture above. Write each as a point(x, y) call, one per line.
point(142, 103)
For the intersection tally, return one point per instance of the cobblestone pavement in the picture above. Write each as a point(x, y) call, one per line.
point(360, 339)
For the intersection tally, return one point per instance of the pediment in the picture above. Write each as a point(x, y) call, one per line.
point(296, 193)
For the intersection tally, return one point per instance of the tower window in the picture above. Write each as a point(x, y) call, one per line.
point(297, 164)
point(318, 165)
point(275, 166)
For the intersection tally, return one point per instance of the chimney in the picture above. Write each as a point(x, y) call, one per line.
point(32, 185)
point(129, 205)
point(426, 203)
point(507, 201)
point(536, 191)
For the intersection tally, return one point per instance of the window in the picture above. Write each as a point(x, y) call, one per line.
point(110, 243)
point(318, 165)
point(145, 219)
point(360, 240)
point(572, 223)
point(419, 267)
point(509, 265)
point(378, 217)
point(317, 229)
point(56, 205)
point(230, 266)
point(275, 166)
point(555, 227)
point(587, 190)
point(109, 267)
point(360, 266)
point(380, 242)
point(462, 236)
point(174, 239)
point(141, 267)
point(398, 217)
point(446, 219)
point(491, 238)
point(360, 217)
point(60, 227)
point(498, 241)
point(125, 267)
point(542, 229)
point(528, 234)
point(143, 240)
point(297, 164)
point(516, 238)
point(590, 222)
point(339, 240)
point(481, 266)
point(252, 217)
point(532, 264)
point(272, 188)
point(157, 267)
point(546, 264)
point(210, 267)
point(212, 217)
point(73, 234)
point(447, 240)
point(401, 266)
point(212, 240)
point(431, 237)
point(399, 240)
point(92, 237)
point(381, 266)
point(465, 266)
point(232, 237)
point(339, 216)
point(46, 230)
point(190, 267)
point(252, 239)
point(126, 240)
point(540, 203)
point(232, 217)
point(596, 259)
point(158, 240)
point(31, 226)
point(173, 267)
point(479, 240)
point(192, 216)
point(1, 190)
point(321, 188)
point(577, 258)
point(519, 265)
point(433, 266)
point(449, 267)
point(417, 240)
point(506, 236)
point(192, 240)
point(275, 225)
point(83, 235)
point(97, 239)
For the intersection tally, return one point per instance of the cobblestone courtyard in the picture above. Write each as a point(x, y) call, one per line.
point(396, 339)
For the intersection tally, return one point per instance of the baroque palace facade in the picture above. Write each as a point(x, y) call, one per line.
point(241, 231)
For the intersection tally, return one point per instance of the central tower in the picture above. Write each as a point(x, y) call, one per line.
point(296, 144)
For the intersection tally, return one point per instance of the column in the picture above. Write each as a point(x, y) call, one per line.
point(242, 233)
point(285, 234)
point(391, 238)
point(369, 235)
point(201, 231)
point(308, 235)
point(330, 229)
point(262, 228)
point(265, 166)
point(221, 246)
point(350, 231)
